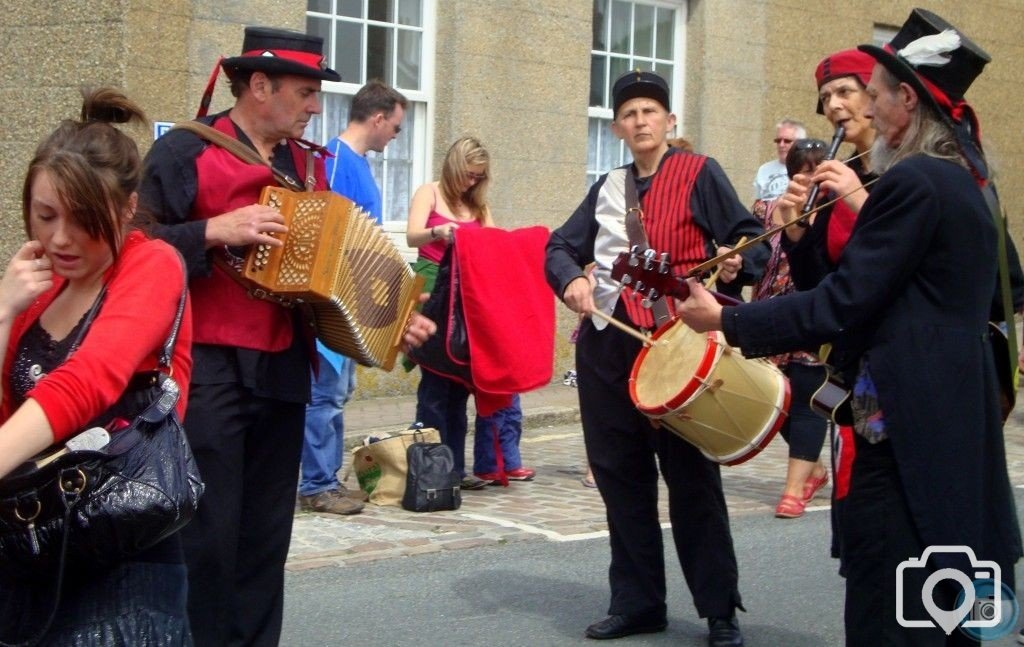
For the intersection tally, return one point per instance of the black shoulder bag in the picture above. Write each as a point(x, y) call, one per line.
point(99, 507)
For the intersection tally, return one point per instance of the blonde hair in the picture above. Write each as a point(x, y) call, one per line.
point(466, 152)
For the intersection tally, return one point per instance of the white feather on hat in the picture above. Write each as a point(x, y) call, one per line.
point(931, 50)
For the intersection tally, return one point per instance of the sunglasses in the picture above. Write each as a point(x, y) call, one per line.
point(782, 140)
point(479, 177)
point(809, 144)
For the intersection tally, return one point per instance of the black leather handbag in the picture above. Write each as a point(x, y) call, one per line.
point(98, 507)
point(446, 352)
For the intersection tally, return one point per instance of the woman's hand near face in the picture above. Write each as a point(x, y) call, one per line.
point(28, 275)
point(791, 203)
point(839, 178)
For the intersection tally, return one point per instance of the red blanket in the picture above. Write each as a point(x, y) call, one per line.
point(509, 311)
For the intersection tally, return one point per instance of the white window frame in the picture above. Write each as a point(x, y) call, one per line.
point(677, 82)
point(420, 112)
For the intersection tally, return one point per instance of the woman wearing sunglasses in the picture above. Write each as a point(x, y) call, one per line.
point(804, 430)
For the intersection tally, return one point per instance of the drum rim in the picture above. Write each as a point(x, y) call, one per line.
point(712, 352)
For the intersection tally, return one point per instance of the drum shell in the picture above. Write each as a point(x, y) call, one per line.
point(728, 406)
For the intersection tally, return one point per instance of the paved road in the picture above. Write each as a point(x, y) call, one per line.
point(527, 564)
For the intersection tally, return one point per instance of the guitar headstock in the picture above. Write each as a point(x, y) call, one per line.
point(648, 273)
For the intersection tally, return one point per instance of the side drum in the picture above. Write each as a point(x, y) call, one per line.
point(708, 394)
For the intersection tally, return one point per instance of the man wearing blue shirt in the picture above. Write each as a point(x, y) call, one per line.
point(375, 119)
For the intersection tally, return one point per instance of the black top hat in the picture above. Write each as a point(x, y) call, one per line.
point(281, 51)
point(639, 84)
point(950, 71)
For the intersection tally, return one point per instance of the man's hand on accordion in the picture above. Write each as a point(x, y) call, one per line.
point(418, 329)
point(245, 226)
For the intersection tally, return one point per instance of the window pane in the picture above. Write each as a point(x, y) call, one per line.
point(600, 25)
point(598, 65)
point(593, 137)
point(643, 33)
point(620, 21)
point(619, 66)
point(408, 63)
point(348, 51)
point(320, 27)
point(410, 12)
point(609, 147)
point(666, 43)
point(350, 8)
point(381, 10)
point(320, 6)
point(398, 190)
point(378, 53)
point(665, 71)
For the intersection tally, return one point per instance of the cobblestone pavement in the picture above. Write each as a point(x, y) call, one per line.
point(553, 507)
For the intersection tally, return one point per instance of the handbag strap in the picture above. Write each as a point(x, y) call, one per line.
point(167, 350)
point(1004, 280)
point(638, 238)
point(59, 588)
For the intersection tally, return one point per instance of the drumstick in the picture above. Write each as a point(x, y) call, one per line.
point(647, 341)
point(714, 277)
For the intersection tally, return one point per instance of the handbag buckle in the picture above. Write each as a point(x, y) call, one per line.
point(73, 482)
point(29, 518)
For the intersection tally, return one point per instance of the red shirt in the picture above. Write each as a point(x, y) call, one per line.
point(143, 289)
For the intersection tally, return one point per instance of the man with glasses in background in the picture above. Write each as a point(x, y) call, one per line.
point(771, 179)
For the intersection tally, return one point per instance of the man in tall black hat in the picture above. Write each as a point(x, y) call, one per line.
point(688, 203)
point(907, 311)
point(250, 381)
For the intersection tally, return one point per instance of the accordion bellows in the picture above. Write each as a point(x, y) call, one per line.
point(336, 259)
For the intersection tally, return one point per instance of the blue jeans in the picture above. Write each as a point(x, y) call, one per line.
point(509, 425)
point(323, 445)
point(441, 404)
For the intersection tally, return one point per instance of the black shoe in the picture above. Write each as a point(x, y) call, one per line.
point(620, 625)
point(724, 632)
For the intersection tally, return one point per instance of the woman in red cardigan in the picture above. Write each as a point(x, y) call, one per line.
point(60, 375)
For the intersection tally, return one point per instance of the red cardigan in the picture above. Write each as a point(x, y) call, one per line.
point(143, 288)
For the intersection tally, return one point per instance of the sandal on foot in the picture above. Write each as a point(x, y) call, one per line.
point(790, 507)
point(812, 485)
point(588, 481)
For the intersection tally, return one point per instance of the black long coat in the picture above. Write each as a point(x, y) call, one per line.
point(913, 291)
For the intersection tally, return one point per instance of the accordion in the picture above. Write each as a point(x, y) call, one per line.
point(339, 262)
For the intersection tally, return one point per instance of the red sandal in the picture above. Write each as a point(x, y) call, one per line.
point(812, 485)
point(790, 507)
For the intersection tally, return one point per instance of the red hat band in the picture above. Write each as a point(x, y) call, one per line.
point(308, 59)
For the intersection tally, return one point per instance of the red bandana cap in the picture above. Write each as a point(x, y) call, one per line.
point(849, 62)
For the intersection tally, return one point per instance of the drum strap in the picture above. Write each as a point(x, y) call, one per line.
point(638, 238)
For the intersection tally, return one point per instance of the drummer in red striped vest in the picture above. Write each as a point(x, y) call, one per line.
point(690, 210)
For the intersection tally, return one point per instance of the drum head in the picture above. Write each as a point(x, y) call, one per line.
point(671, 372)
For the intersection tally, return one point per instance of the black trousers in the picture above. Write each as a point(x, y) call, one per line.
point(879, 534)
point(625, 454)
point(248, 450)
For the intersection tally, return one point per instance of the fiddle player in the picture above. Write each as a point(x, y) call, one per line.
point(250, 382)
point(930, 466)
point(687, 203)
